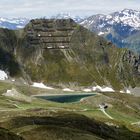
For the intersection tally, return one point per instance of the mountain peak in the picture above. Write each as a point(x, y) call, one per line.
point(62, 16)
point(126, 17)
point(67, 16)
point(118, 27)
point(129, 10)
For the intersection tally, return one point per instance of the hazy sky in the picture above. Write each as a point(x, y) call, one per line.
point(40, 8)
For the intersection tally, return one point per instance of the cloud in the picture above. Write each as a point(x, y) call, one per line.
point(38, 8)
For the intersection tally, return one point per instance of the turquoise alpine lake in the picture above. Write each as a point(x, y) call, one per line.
point(65, 98)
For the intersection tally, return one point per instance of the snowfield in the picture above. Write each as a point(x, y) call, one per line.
point(99, 88)
point(41, 85)
point(103, 89)
point(3, 75)
point(67, 89)
point(125, 91)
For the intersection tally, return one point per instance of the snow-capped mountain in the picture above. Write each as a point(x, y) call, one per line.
point(77, 19)
point(18, 23)
point(13, 23)
point(118, 27)
point(126, 17)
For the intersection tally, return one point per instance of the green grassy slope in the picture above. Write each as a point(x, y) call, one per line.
point(62, 52)
point(40, 119)
point(87, 59)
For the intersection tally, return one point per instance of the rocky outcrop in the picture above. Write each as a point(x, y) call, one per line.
point(133, 60)
point(14, 94)
point(63, 52)
point(50, 34)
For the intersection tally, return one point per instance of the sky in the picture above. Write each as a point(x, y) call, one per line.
point(46, 8)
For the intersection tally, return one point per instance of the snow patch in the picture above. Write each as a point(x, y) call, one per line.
point(3, 75)
point(125, 91)
point(103, 89)
point(67, 89)
point(61, 47)
point(20, 26)
point(122, 91)
point(99, 88)
point(107, 89)
point(49, 47)
point(100, 33)
point(41, 85)
point(128, 91)
point(108, 16)
point(87, 90)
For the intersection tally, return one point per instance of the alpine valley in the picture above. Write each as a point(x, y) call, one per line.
point(61, 81)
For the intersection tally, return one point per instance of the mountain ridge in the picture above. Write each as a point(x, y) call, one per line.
point(13, 23)
point(20, 22)
point(59, 51)
point(117, 27)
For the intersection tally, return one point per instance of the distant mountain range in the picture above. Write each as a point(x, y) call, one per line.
point(18, 23)
point(13, 23)
point(121, 28)
point(77, 19)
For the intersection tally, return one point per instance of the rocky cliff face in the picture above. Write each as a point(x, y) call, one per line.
point(63, 52)
point(50, 34)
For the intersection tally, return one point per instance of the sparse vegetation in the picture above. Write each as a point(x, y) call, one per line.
point(88, 60)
